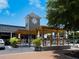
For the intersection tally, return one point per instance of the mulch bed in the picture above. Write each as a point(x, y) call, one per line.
point(74, 54)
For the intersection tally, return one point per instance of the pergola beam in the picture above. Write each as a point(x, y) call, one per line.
point(43, 30)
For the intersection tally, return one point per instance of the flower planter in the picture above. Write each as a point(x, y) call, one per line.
point(37, 48)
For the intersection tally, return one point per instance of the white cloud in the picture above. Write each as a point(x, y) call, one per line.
point(4, 4)
point(36, 3)
point(8, 13)
point(3, 8)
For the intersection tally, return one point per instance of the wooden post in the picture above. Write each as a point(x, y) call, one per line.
point(43, 36)
point(51, 39)
point(57, 38)
point(63, 41)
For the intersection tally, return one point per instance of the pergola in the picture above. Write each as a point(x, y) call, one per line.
point(43, 30)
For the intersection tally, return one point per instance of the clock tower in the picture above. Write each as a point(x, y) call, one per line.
point(32, 21)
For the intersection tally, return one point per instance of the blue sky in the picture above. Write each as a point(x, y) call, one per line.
point(12, 12)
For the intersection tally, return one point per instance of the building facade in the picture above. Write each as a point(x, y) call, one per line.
point(32, 21)
point(8, 31)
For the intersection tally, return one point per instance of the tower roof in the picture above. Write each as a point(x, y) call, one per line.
point(32, 14)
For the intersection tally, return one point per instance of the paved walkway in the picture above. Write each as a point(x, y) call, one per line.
point(16, 50)
point(34, 55)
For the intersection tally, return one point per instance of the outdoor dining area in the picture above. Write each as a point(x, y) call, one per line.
point(44, 31)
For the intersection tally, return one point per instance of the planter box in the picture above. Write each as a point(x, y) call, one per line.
point(55, 48)
point(37, 48)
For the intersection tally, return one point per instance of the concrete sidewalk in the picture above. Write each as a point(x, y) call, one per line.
point(35, 55)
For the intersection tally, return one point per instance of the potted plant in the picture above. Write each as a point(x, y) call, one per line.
point(14, 41)
point(37, 44)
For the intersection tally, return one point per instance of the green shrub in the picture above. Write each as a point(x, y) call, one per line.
point(37, 42)
point(14, 41)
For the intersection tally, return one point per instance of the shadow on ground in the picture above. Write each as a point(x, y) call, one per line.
point(64, 54)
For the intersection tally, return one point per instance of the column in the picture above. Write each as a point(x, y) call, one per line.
point(29, 40)
point(19, 35)
point(10, 34)
point(38, 34)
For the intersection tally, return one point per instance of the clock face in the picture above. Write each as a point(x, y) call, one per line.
point(34, 20)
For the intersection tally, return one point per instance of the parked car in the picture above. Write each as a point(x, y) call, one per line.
point(2, 44)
